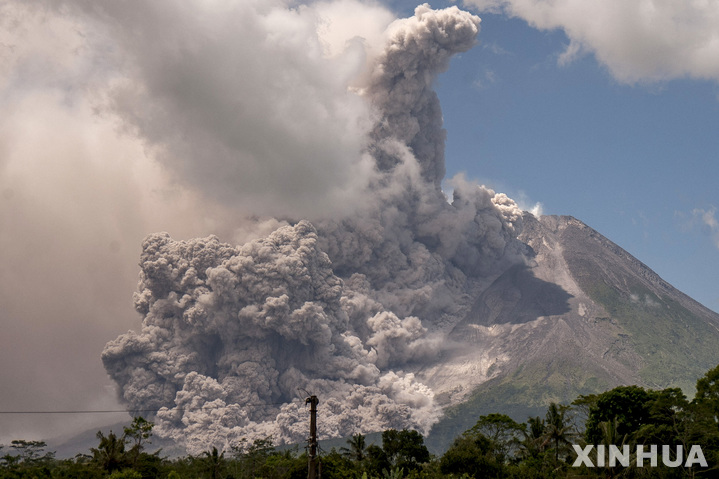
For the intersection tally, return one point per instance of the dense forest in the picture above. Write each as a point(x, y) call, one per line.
point(594, 436)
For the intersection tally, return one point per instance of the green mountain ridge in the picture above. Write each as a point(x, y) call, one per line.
point(582, 317)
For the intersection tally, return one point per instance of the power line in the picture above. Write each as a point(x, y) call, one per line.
point(131, 411)
point(79, 412)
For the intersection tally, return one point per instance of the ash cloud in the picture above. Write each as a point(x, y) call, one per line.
point(343, 306)
point(230, 333)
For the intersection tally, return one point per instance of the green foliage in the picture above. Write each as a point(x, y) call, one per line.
point(405, 449)
point(138, 435)
point(630, 405)
point(356, 451)
point(125, 474)
point(30, 452)
point(285, 465)
point(110, 453)
point(558, 431)
point(335, 465)
point(504, 433)
point(707, 394)
point(532, 443)
point(471, 454)
point(394, 473)
point(251, 460)
point(495, 447)
point(376, 461)
point(214, 463)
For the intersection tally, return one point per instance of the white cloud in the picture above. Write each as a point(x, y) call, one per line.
point(638, 41)
point(489, 77)
point(708, 221)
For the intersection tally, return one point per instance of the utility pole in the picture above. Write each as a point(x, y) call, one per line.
point(312, 465)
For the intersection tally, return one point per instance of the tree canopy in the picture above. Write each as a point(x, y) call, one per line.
point(496, 446)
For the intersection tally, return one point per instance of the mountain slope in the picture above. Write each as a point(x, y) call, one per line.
point(581, 317)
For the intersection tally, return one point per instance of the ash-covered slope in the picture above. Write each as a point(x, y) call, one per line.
point(675, 336)
point(582, 316)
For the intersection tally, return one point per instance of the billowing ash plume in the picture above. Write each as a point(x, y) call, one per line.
point(237, 330)
point(342, 308)
point(407, 241)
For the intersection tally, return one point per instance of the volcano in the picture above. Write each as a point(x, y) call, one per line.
point(580, 317)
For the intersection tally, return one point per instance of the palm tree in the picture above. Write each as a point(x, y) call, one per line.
point(532, 444)
point(611, 436)
point(214, 462)
point(557, 430)
point(110, 453)
point(357, 447)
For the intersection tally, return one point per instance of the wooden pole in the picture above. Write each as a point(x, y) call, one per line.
point(312, 463)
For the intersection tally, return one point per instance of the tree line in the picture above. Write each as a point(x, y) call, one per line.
point(497, 446)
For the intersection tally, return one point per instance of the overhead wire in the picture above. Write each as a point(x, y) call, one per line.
point(131, 411)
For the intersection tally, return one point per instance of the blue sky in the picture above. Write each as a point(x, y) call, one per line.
point(636, 161)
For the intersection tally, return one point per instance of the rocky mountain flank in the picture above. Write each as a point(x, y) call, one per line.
point(581, 316)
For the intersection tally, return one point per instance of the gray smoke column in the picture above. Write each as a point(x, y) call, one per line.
point(343, 308)
point(401, 87)
point(413, 247)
